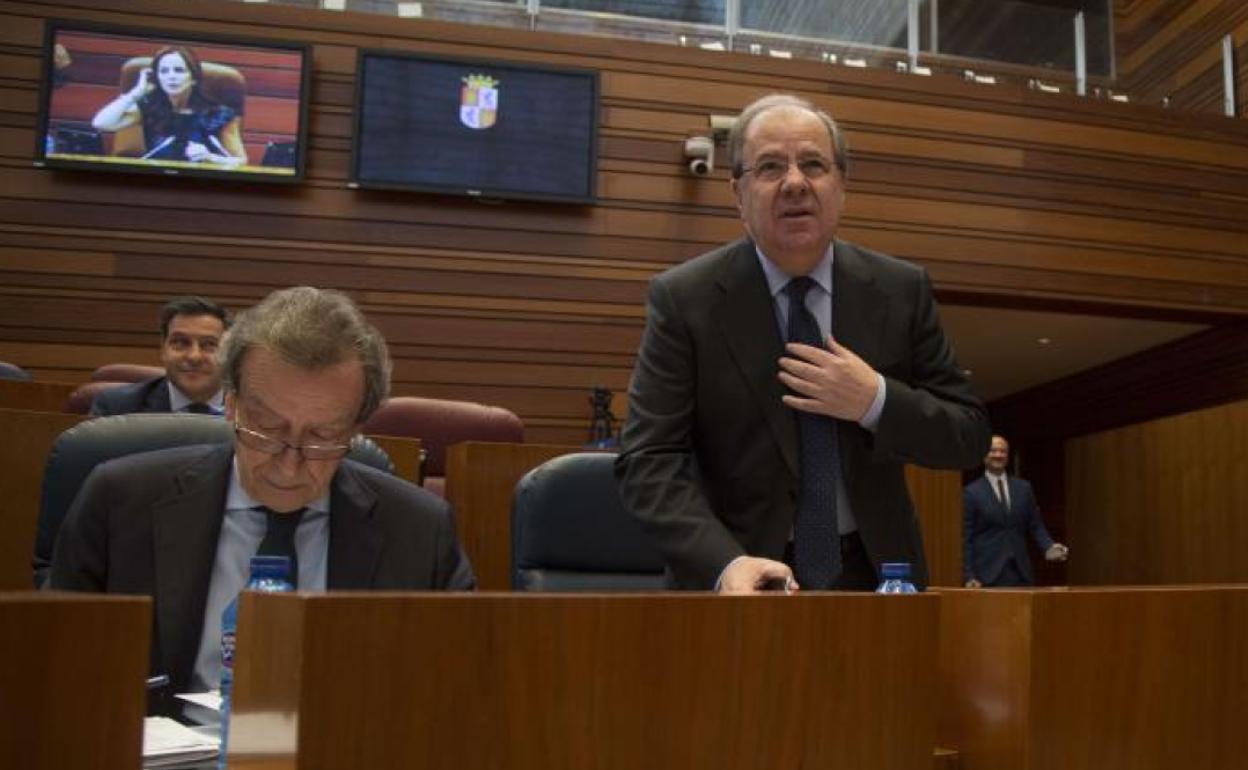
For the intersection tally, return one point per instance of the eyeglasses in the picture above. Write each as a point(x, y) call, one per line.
point(275, 446)
point(775, 169)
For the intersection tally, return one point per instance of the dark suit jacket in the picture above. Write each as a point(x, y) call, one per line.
point(710, 452)
point(146, 396)
point(992, 535)
point(148, 524)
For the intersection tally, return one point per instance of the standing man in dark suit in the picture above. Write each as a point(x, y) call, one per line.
point(303, 371)
point(747, 459)
point(191, 329)
point(997, 513)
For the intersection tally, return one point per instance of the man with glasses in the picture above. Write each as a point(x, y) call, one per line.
point(784, 380)
point(303, 370)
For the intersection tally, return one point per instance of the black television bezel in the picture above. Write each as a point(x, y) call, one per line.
point(590, 197)
point(54, 26)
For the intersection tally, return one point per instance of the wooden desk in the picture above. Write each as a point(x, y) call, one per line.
point(1096, 679)
point(35, 396)
point(405, 453)
point(72, 669)
point(23, 453)
point(585, 682)
point(480, 477)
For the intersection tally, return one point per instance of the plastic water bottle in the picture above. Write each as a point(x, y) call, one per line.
point(896, 579)
point(270, 574)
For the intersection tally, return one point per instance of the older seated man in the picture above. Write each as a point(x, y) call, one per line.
point(303, 370)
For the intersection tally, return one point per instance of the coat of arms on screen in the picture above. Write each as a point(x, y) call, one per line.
point(478, 101)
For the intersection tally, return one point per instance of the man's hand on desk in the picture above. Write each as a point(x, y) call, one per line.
point(1056, 552)
point(752, 575)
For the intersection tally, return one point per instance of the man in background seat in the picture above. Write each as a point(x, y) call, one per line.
point(191, 329)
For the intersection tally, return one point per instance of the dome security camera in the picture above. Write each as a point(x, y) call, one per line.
point(701, 153)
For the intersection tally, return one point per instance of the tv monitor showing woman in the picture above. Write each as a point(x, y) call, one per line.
point(140, 100)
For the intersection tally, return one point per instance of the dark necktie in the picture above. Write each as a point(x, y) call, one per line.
point(279, 538)
point(816, 543)
point(1005, 501)
point(198, 408)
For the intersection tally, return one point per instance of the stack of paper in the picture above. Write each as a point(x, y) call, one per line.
point(170, 744)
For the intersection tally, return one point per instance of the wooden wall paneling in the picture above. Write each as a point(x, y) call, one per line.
point(1174, 48)
point(937, 497)
point(1161, 501)
point(1000, 192)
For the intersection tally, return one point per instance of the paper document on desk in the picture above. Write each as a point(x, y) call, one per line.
point(170, 744)
point(209, 700)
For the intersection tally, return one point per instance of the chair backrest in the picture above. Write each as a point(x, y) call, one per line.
point(13, 372)
point(80, 400)
point(78, 450)
point(570, 532)
point(126, 373)
point(222, 84)
point(439, 424)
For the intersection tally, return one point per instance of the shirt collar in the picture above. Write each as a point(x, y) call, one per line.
point(178, 401)
point(236, 498)
point(993, 477)
point(777, 279)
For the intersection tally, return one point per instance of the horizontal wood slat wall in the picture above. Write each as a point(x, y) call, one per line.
point(1005, 195)
point(1161, 501)
point(1173, 48)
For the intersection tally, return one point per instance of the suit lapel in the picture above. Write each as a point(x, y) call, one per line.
point(157, 398)
point(185, 529)
point(748, 318)
point(859, 306)
point(355, 539)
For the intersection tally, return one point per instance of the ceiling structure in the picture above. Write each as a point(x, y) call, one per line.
point(1004, 353)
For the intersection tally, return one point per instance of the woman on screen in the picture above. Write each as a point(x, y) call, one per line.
point(179, 122)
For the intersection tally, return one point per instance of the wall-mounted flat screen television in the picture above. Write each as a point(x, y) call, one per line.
point(475, 127)
point(127, 99)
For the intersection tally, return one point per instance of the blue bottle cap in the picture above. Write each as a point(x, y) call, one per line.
point(277, 567)
point(895, 570)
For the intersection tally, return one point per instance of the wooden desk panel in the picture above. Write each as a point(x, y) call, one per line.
point(404, 452)
point(1096, 679)
point(480, 477)
point(585, 682)
point(35, 396)
point(27, 437)
point(72, 671)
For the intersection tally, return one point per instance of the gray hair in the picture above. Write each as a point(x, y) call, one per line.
point(736, 137)
point(313, 329)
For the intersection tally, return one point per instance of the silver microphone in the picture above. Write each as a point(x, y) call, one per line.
point(168, 140)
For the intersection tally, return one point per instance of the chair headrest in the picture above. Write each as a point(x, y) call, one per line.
point(10, 371)
point(440, 423)
point(126, 373)
point(80, 400)
point(567, 515)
